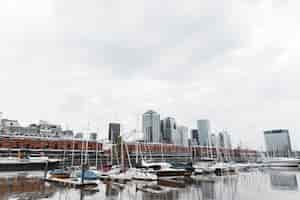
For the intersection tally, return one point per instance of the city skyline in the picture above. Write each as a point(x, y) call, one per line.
point(234, 63)
point(214, 137)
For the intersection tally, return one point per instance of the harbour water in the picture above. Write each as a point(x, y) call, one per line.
point(275, 185)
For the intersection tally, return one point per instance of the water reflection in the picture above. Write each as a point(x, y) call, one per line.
point(170, 195)
point(244, 186)
point(281, 181)
point(208, 189)
point(216, 188)
point(24, 187)
point(111, 192)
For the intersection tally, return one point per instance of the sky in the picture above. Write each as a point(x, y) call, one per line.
point(83, 64)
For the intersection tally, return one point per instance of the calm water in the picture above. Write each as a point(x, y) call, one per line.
point(273, 185)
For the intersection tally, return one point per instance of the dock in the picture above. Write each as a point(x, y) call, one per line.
point(69, 182)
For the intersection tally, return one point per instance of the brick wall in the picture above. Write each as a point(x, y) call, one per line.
point(43, 143)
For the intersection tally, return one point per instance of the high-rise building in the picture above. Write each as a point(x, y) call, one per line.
point(182, 136)
point(213, 140)
point(278, 142)
point(49, 130)
point(93, 136)
point(228, 140)
point(224, 140)
point(10, 127)
point(169, 131)
point(151, 126)
point(114, 130)
point(79, 136)
point(195, 137)
point(204, 131)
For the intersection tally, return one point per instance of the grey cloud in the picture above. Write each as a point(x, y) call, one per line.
point(137, 51)
point(229, 61)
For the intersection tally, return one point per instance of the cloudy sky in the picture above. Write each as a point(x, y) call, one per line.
point(235, 62)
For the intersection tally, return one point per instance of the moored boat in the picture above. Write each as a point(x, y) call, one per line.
point(144, 175)
point(282, 162)
point(27, 164)
point(59, 173)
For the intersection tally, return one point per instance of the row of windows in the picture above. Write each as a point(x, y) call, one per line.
point(42, 146)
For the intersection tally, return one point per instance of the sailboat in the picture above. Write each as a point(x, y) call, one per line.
point(164, 169)
point(204, 165)
point(85, 174)
point(143, 173)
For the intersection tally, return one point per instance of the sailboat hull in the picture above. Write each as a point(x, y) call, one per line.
point(173, 173)
point(17, 165)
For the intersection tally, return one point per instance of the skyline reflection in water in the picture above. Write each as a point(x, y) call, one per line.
point(246, 186)
point(281, 181)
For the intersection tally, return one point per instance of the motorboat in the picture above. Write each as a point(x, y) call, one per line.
point(123, 176)
point(282, 162)
point(171, 172)
point(221, 168)
point(203, 167)
point(155, 165)
point(165, 169)
point(115, 170)
point(144, 175)
point(180, 165)
point(27, 163)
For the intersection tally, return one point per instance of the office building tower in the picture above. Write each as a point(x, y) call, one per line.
point(182, 136)
point(114, 131)
point(204, 131)
point(169, 131)
point(224, 140)
point(278, 142)
point(213, 140)
point(195, 137)
point(151, 126)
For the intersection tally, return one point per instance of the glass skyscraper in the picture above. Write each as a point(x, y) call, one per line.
point(204, 132)
point(151, 127)
point(278, 142)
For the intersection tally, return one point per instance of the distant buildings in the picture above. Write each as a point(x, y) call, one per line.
point(114, 132)
point(163, 131)
point(79, 135)
point(151, 127)
point(182, 136)
point(93, 136)
point(213, 140)
point(278, 142)
point(10, 127)
point(195, 141)
point(42, 129)
point(204, 132)
point(168, 130)
point(49, 130)
point(224, 140)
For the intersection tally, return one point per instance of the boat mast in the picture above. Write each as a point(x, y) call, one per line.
point(122, 155)
point(87, 145)
point(136, 152)
point(128, 156)
point(96, 155)
point(72, 162)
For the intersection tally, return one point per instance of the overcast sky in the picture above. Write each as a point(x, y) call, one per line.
point(234, 62)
